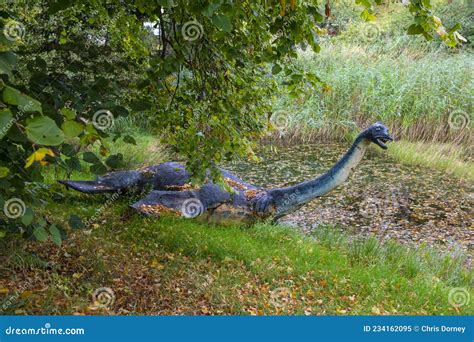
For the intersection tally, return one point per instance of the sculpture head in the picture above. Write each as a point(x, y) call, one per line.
point(378, 134)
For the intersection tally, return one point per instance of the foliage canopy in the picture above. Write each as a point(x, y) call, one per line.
point(201, 72)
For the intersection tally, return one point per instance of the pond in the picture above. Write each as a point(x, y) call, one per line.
point(382, 197)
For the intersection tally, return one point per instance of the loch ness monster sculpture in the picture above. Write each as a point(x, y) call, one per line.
point(172, 193)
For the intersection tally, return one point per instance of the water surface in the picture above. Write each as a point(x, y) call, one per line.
point(382, 198)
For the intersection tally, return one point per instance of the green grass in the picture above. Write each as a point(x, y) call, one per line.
point(178, 266)
point(452, 159)
point(410, 84)
point(414, 97)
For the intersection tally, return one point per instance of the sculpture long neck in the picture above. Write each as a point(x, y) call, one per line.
point(292, 198)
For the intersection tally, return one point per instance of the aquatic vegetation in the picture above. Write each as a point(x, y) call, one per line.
point(411, 204)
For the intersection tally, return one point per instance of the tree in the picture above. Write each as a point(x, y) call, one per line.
point(200, 69)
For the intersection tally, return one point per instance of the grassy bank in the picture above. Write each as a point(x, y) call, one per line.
point(175, 266)
point(453, 159)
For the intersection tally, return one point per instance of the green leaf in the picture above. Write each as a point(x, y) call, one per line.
point(5, 44)
point(4, 171)
point(69, 113)
point(120, 110)
point(166, 3)
point(68, 150)
point(222, 22)
point(276, 69)
point(140, 105)
point(210, 9)
point(8, 62)
point(365, 3)
point(27, 217)
point(129, 140)
point(367, 16)
point(22, 101)
point(114, 161)
point(40, 234)
point(59, 5)
point(316, 15)
point(90, 157)
point(455, 28)
point(75, 222)
point(41, 222)
point(55, 235)
point(73, 163)
point(426, 3)
point(44, 131)
point(415, 29)
point(72, 128)
point(98, 169)
point(6, 119)
point(296, 78)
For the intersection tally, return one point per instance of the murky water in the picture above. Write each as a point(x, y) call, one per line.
point(382, 198)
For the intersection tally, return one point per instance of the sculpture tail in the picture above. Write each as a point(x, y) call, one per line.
point(112, 182)
point(161, 176)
